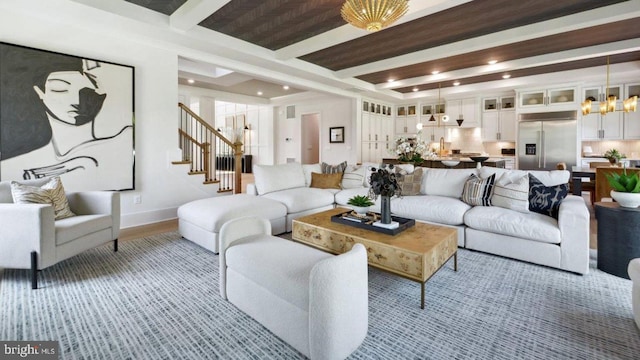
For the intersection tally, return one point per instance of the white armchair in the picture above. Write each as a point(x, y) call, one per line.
point(31, 238)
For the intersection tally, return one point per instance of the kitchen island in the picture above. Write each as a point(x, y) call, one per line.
point(465, 162)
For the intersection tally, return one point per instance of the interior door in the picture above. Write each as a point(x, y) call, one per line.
point(529, 145)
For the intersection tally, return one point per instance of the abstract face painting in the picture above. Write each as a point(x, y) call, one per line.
point(68, 116)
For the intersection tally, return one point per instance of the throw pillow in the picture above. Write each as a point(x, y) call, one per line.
point(326, 181)
point(477, 191)
point(51, 193)
point(353, 177)
point(410, 183)
point(546, 199)
point(511, 193)
point(332, 169)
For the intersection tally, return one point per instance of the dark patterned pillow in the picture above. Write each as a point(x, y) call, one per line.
point(546, 199)
point(333, 169)
point(478, 192)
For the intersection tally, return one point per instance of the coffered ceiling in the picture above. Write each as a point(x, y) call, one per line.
point(438, 42)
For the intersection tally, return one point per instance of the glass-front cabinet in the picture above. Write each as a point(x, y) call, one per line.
point(547, 97)
point(599, 93)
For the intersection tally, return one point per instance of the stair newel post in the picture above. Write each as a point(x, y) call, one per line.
point(237, 150)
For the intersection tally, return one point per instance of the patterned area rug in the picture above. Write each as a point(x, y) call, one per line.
point(157, 298)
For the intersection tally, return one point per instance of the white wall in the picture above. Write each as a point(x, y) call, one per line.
point(55, 28)
point(334, 111)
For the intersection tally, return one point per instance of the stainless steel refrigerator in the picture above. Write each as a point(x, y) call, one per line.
point(546, 139)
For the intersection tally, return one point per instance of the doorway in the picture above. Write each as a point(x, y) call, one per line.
point(310, 136)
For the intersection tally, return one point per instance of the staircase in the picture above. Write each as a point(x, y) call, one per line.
point(209, 153)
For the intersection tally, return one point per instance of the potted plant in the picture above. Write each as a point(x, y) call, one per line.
point(614, 156)
point(626, 188)
point(360, 203)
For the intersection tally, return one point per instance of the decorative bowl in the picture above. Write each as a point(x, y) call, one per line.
point(450, 163)
point(479, 158)
point(532, 101)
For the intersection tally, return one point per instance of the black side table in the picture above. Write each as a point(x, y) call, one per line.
point(618, 237)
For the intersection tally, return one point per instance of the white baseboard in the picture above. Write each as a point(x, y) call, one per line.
point(147, 217)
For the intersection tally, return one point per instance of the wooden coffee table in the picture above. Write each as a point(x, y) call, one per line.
point(416, 253)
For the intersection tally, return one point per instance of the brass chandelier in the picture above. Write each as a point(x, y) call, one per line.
point(373, 15)
point(609, 103)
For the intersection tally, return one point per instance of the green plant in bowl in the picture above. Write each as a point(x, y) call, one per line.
point(360, 201)
point(623, 182)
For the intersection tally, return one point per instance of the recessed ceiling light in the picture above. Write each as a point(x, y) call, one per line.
point(259, 93)
point(456, 83)
point(390, 80)
point(506, 76)
point(286, 87)
point(491, 62)
point(435, 72)
point(191, 81)
point(415, 89)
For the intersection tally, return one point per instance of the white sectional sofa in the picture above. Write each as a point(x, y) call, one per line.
point(561, 243)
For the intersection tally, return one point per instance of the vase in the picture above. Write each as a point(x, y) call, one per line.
point(626, 199)
point(362, 210)
point(385, 210)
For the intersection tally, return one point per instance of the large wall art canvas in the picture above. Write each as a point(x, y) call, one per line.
point(66, 115)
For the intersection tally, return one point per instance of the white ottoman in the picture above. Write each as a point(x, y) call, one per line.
point(200, 221)
point(634, 274)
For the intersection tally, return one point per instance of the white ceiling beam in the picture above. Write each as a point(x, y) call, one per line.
point(347, 32)
point(534, 61)
point(192, 12)
point(617, 12)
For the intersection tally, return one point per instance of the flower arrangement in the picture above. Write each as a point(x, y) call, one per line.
point(410, 150)
point(384, 182)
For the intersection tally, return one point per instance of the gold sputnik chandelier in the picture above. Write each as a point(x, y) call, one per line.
point(609, 103)
point(373, 15)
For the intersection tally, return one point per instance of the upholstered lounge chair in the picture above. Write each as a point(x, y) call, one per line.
point(31, 238)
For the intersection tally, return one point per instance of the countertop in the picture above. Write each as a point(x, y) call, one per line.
point(464, 159)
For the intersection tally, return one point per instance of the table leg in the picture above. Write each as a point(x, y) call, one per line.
point(577, 186)
point(455, 261)
point(421, 295)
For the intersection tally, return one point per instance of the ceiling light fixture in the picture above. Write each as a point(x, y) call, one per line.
point(286, 87)
point(415, 89)
point(456, 83)
point(191, 81)
point(435, 72)
point(373, 15)
point(259, 93)
point(609, 103)
point(390, 80)
point(492, 62)
point(506, 76)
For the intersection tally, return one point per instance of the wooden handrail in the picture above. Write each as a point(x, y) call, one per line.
point(184, 133)
point(205, 124)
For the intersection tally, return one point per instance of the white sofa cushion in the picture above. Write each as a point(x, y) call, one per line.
point(73, 227)
point(302, 198)
point(512, 192)
point(548, 178)
point(446, 182)
point(290, 282)
point(308, 169)
point(438, 209)
point(353, 177)
point(270, 178)
point(531, 226)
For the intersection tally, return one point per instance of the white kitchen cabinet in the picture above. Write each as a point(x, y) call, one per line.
point(602, 127)
point(547, 97)
point(432, 134)
point(632, 119)
point(377, 131)
point(463, 108)
point(498, 119)
point(406, 120)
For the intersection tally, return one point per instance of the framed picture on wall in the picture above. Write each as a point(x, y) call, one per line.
point(336, 134)
point(68, 116)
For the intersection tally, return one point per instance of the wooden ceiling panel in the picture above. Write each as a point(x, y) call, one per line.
point(477, 18)
point(565, 66)
point(166, 7)
point(274, 24)
point(602, 34)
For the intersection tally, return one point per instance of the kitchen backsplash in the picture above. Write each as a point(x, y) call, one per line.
point(495, 148)
point(631, 148)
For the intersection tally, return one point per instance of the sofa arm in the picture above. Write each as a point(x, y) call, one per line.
point(251, 189)
point(25, 228)
point(338, 305)
point(573, 221)
point(97, 202)
point(233, 230)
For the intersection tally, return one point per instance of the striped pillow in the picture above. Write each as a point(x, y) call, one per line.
point(51, 193)
point(332, 169)
point(478, 192)
point(353, 177)
point(512, 193)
